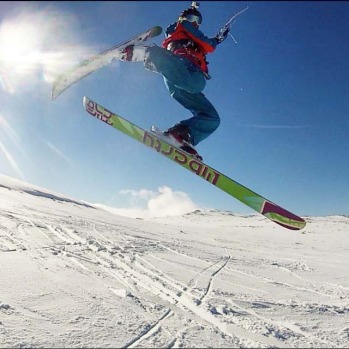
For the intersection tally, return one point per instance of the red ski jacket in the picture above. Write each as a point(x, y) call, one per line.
point(183, 38)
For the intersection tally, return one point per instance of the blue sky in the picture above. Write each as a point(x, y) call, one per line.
point(282, 92)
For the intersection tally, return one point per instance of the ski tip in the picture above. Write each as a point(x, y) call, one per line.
point(85, 101)
point(56, 91)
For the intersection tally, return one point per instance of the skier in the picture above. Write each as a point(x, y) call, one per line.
point(182, 62)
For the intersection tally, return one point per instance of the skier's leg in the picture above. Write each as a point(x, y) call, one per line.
point(180, 71)
point(205, 118)
point(185, 82)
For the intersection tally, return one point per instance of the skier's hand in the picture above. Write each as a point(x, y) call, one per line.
point(222, 34)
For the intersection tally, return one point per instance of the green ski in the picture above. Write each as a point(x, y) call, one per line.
point(255, 201)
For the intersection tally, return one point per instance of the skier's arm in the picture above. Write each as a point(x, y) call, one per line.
point(209, 44)
point(170, 29)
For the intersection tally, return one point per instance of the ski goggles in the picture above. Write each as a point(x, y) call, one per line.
point(193, 18)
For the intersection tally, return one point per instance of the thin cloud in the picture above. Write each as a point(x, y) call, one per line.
point(7, 130)
point(161, 203)
point(143, 193)
point(11, 133)
point(11, 161)
point(277, 126)
point(58, 152)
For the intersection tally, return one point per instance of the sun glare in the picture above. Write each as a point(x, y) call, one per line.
point(36, 47)
point(19, 52)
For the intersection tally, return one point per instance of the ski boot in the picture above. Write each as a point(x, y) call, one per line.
point(134, 53)
point(180, 137)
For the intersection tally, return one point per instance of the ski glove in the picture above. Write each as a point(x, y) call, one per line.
point(222, 34)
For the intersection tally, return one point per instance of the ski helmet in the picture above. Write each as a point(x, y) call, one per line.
point(191, 14)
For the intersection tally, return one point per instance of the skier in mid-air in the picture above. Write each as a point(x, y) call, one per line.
point(182, 62)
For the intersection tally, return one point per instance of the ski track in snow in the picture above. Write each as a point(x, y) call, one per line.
point(150, 286)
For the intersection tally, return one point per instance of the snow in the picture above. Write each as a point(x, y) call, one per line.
point(75, 275)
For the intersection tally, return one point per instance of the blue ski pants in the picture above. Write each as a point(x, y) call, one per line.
point(185, 82)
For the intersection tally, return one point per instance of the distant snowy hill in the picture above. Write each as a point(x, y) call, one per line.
point(75, 275)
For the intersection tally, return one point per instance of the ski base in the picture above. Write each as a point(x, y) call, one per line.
point(253, 200)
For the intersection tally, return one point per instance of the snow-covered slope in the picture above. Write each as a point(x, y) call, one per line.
point(73, 275)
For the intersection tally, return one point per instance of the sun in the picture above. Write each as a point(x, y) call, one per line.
point(20, 52)
point(34, 46)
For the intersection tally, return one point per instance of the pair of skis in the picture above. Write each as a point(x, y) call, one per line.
point(165, 147)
